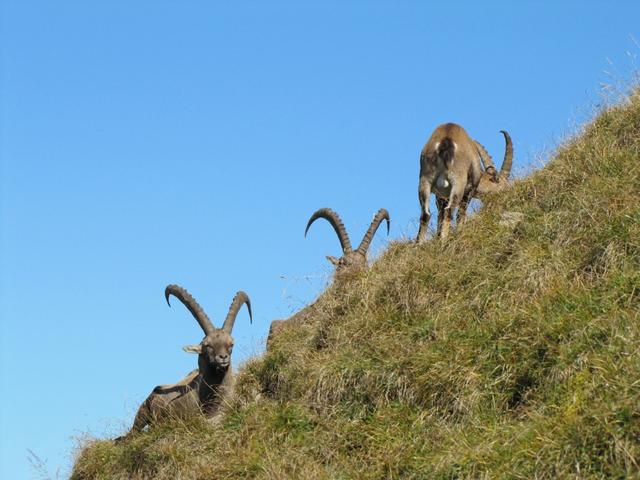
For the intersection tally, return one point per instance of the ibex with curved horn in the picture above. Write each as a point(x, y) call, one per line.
point(450, 167)
point(491, 181)
point(203, 389)
point(351, 260)
point(494, 183)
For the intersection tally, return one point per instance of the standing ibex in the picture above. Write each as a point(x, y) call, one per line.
point(203, 389)
point(351, 260)
point(450, 166)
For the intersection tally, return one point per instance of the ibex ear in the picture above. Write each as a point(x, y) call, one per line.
point(333, 260)
point(197, 348)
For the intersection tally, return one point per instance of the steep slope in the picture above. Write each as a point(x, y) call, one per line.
point(513, 351)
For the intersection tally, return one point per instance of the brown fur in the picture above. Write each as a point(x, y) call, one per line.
point(451, 168)
point(297, 318)
point(202, 390)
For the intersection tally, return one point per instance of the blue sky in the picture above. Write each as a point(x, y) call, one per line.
point(147, 143)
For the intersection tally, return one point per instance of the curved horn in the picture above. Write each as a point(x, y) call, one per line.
point(484, 155)
point(375, 223)
point(334, 219)
point(505, 170)
point(191, 304)
point(237, 302)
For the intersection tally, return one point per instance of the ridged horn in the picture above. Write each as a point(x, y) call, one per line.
point(191, 304)
point(334, 219)
point(505, 170)
point(484, 155)
point(240, 299)
point(375, 223)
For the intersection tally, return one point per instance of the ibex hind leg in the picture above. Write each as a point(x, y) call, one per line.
point(139, 423)
point(424, 226)
point(457, 193)
point(441, 203)
point(143, 417)
point(446, 223)
point(424, 194)
point(461, 217)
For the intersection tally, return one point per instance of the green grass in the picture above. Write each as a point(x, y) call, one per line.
point(509, 352)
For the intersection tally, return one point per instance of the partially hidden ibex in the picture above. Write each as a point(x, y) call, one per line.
point(202, 390)
point(297, 318)
point(450, 167)
point(351, 260)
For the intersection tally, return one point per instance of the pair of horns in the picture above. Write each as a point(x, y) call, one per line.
point(199, 314)
point(334, 219)
point(505, 170)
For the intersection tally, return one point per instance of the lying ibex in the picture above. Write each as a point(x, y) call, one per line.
point(351, 260)
point(203, 389)
point(450, 166)
point(299, 317)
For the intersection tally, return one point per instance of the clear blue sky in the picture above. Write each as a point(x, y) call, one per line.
point(154, 142)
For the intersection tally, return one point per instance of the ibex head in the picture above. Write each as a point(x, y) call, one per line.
point(214, 351)
point(351, 260)
point(490, 181)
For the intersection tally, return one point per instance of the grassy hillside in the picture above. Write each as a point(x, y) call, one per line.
point(511, 352)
